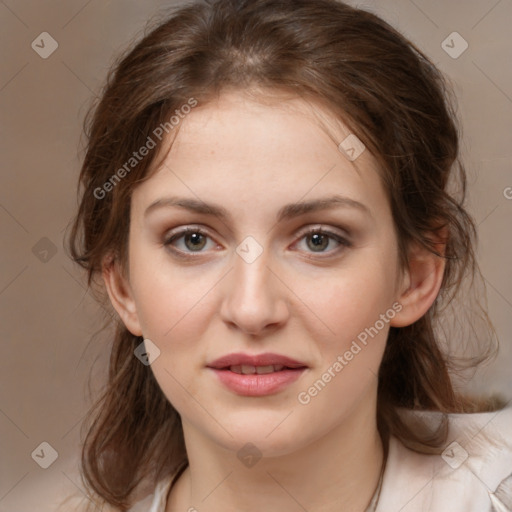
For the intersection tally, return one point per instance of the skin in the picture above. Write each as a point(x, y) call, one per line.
point(253, 158)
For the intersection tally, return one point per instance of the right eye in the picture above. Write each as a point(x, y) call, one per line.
point(191, 240)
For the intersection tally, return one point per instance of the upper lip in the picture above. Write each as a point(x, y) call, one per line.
point(266, 359)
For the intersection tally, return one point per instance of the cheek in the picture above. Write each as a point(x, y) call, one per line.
point(167, 296)
point(350, 329)
point(344, 303)
point(175, 316)
point(175, 311)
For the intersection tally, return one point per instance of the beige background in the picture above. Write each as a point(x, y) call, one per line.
point(47, 316)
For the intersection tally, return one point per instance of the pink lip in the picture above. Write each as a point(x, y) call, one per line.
point(257, 384)
point(265, 359)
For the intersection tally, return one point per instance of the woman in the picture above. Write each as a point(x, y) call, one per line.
point(267, 203)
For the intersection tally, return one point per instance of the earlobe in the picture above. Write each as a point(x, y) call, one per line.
point(422, 284)
point(121, 296)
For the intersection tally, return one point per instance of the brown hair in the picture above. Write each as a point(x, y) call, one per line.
point(383, 88)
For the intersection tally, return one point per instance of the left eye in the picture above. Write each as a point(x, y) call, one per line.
point(318, 240)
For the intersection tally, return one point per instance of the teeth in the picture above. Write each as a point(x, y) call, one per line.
point(265, 369)
point(251, 370)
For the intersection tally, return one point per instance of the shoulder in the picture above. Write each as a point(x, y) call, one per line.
point(153, 502)
point(80, 503)
point(473, 473)
point(156, 501)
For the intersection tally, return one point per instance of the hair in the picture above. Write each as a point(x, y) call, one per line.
point(388, 93)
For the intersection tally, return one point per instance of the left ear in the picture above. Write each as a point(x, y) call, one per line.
point(422, 281)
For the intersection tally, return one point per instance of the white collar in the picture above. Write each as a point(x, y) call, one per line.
point(415, 482)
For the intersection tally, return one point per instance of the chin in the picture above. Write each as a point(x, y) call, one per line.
point(261, 435)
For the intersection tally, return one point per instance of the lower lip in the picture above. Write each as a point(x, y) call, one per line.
point(258, 384)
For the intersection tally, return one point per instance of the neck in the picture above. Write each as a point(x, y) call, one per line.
point(338, 471)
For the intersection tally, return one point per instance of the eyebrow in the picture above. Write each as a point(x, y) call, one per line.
point(287, 212)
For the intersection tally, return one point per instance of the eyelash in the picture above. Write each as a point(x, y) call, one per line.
point(344, 243)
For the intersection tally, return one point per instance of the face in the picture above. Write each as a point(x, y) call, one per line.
point(315, 285)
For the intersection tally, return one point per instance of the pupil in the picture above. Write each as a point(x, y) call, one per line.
point(195, 238)
point(319, 241)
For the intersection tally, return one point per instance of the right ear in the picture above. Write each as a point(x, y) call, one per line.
point(121, 295)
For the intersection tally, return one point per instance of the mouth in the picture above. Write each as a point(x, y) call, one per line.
point(245, 369)
point(258, 363)
point(262, 375)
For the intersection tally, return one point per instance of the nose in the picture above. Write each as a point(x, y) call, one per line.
point(255, 298)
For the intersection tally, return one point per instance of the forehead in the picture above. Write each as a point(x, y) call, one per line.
point(261, 126)
point(279, 148)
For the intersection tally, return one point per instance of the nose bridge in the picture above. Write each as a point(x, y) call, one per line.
point(254, 298)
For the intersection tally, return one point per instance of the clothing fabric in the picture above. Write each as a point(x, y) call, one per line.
point(474, 473)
